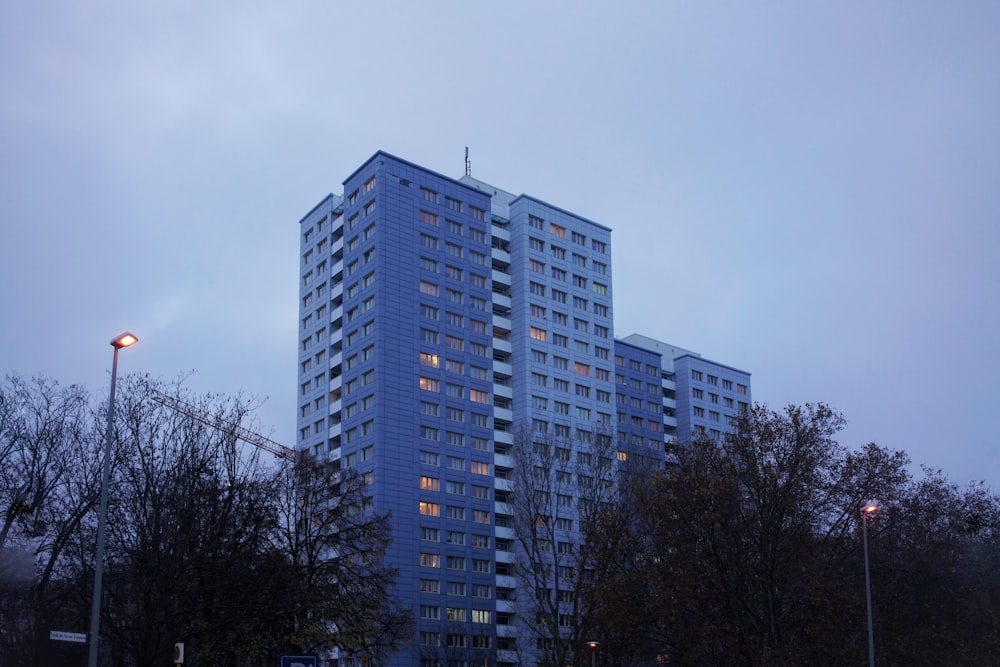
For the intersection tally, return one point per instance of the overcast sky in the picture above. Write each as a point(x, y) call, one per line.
point(806, 191)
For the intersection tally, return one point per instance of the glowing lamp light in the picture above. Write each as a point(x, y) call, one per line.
point(124, 340)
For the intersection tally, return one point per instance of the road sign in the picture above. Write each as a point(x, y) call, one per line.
point(60, 636)
point(299, 661)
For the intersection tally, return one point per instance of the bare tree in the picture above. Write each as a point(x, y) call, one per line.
point(748, 552)
point(564, 491)
point(48, 468)
point(333, 543)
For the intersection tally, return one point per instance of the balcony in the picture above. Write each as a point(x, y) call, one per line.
point(501, 302)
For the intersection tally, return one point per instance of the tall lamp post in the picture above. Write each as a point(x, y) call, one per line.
point(870, 508)
point(118, 343)
point(593, 655)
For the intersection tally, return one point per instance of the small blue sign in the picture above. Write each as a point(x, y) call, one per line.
point(299, 661)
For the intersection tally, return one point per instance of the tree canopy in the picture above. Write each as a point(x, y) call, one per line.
point(748, 552)
point(240, 559)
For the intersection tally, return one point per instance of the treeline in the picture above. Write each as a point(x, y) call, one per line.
point(209, 543)
point(750, 553)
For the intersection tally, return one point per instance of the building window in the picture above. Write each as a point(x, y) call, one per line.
point(428, 218)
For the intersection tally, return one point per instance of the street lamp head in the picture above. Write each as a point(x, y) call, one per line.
point(870, 507)
point(593, 644)
point(124, 340)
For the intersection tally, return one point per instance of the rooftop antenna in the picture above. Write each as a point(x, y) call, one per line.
point(468, 165)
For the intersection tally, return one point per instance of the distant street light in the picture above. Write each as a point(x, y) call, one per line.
point(118, 343)
point(593, 656)
point(869, 508)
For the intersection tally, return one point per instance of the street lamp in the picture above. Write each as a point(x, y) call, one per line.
point(118, 343)
point(870, 508)
point(593, 656)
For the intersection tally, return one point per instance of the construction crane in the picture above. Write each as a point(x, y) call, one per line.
point(229, 428)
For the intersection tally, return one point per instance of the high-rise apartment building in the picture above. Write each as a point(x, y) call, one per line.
point(446, 327)
point(700, 397)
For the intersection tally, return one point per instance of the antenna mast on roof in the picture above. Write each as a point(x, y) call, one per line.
point(468, 165)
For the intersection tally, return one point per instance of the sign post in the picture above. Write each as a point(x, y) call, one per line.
point(60, 636)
